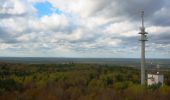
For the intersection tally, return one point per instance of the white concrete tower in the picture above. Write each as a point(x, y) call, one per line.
point(143, 39)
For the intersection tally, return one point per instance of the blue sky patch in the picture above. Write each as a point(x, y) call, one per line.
point(58, 11)
point(46, 8)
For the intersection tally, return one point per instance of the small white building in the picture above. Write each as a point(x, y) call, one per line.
point(155, 79)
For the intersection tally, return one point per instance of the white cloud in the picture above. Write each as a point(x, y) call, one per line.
point(107, 26)
point(14, 25)
point(123, 28)
point(16, 8)
point(158, 29)
point(54, 22)
point(13, 7)
point(4, 46)
point(36, 1)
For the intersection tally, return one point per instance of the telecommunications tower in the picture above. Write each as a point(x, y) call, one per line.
point(143, 39)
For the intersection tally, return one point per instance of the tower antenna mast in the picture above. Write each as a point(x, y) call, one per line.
point(143, 39)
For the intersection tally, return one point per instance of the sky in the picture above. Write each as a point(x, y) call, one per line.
point(83, 28)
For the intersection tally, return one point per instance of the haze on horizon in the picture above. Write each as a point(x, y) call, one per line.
point(83, 28)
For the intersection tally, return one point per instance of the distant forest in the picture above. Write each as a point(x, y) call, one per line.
point(77, 82)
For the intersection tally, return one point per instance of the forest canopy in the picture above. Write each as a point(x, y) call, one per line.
point(76, 82)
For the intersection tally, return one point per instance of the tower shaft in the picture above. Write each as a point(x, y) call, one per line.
point(143, 39)
point(142, 62)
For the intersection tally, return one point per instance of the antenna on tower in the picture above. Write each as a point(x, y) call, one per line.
point(142, 14)
point(142, 28)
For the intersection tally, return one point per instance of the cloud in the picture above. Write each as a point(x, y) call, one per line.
point(85, 28)
point(15, 8)
point(54, 22)
point(107, 8)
